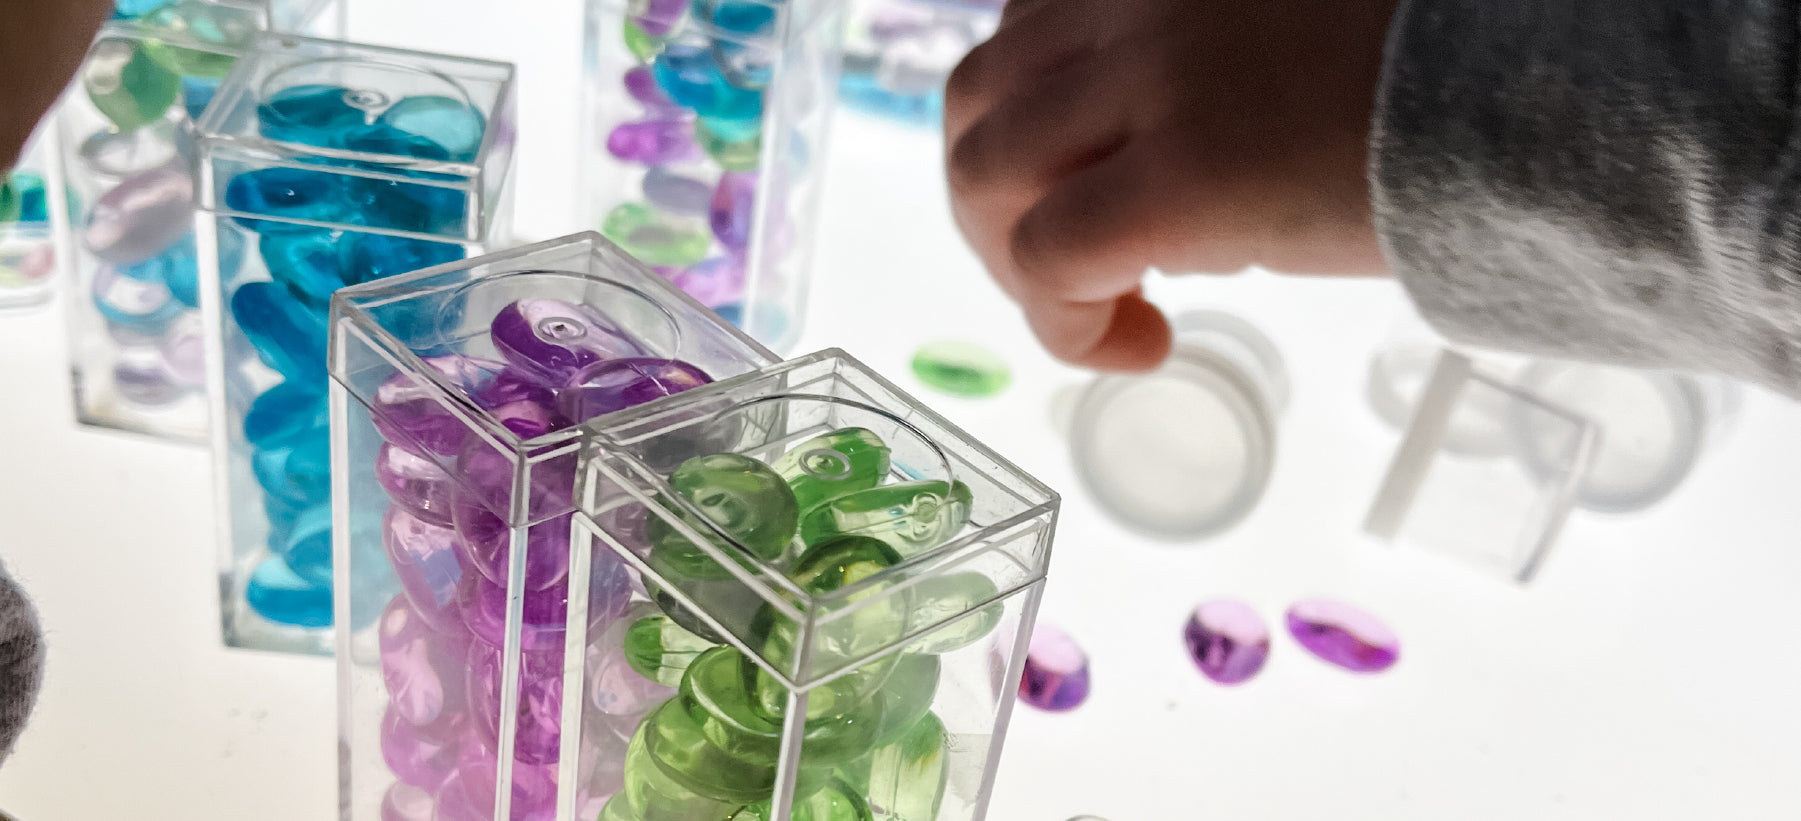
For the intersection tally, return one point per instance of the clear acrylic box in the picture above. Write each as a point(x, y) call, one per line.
point(704, 128)
point(27, 251)
point(323, 164)
point(1499, 507)
point(455, 397)
point(123, 164)
point(898, 54)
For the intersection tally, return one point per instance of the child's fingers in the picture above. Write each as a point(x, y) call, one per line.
point(1122, 334)
point(1026, 47)
point(1093, 234)
point(1050, 127)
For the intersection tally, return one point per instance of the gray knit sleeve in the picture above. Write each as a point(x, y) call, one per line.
point(21, 661)
point(1613, 180)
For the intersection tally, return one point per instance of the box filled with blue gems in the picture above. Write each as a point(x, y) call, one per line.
point(458, 395)
point(703, 119)
point(898, 54)
point(322, 164)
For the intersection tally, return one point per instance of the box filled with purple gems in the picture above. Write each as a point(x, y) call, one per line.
point(702, 121)
point(618, 558)
point(322, 164)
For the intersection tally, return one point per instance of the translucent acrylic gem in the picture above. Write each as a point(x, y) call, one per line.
point(660, 788)
point(283, 411)
point(423, 670)
point(961, 369)
point(483, 605)
point(673, 741)
point(939, 600)
point(126, 85)
point(654, 142)
point(287, 194)
point(142, 377)
point(181, 269)
point(906, 697)
point(305, 544)
point(616, 384)
point(690, 76)
point(183, 349)
point(317, 115)
point(640, 43)
point(675, 193)
point(828, 466)
point(424, 558)
point(308, 263)
point(660, 650)
point(658, 17)
point(615, 687)
point(905, 778)
point(740, 496)
point(1343, 635)
point(539, 720)
point(276, 593)
point(1056, 674)
point(1227, 640)
point(714, 281)
point(641, 83)
point(229, 28)
point(197, 93)
point(453, 124)
point(912, 517)
point(468, 795)
point(141, 217)
point(414, 755)
point(135, 298)
point(733, 206)
point(834, 802)
point(408, 416)
point(714, 693)
point(551, 339)
point(487, 540)
point(653, 237)
point(416, 484)
point(731, 154)
point(287, 335)
point(405, 802)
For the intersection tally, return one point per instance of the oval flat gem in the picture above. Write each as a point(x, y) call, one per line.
point(142, 377)
point(674, 741)
point(912, 517)
point(538, 721)
point(307, 262)
point(11, 201)
point(405, 802)
point(733, 208)
point(286, 195)
point(141, 217)
point(836, 801)
point(1056, 674)
point(731, 154)
point(654, 142)
point(453, 124)
point(126, 85)
point(487, 544)
point(906, 697)
point(660, 650)
point(424, 557)
point(226, 29)
point(551, 339)
point(409, 412)
point(961, 369)
point(416, 757)
point(134, 297)
point(714, 692)
point(714, 281)
point(653, 237)
point(287, 335)
point(183, 348)
point(740, 496)
point(313, 114)
point(690, 76)
point(641, 43)
point(675, 193)
point(276, 593)
point(615, 687)
point(1227, 640)
point(951, 602)
point(416, 484)
point(423, 671)
point(828, 466)
point(1343, 635)
point(658, 789)
point(906, 777)
point(379, 256)
point(283, 411)
point(616, 384)
point(641, 83)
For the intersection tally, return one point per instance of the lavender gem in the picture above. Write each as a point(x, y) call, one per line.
point(405, 802)
point(641, 83)
point(714, 281)
point(654, 142)
point(489, 476)
point(1227, 640)
point(468, 795)
point(416, 757)
point(549, 340)
point(622, 383)
point(1343, 635)
point(408, 415)
point(734, 202)
point(545, 613)
point(676, 194)
point(487, 545)
point(415, 483)
point(184, 349)
point(658, 17)
point(1056, 674)
point(424, 557)
point(142, 217)
point(538, 728)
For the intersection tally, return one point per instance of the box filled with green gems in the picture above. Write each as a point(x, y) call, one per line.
point(676, 579)
point(702, 122)
point(323, 164)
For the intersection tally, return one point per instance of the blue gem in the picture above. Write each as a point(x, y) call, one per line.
point(402, 206)
point(196, 93)
point(127, 9)
point(34, 202)
point(382, 138)
point(297, 470)
point(306, 546)
point(733, 131)
point(284, 411)
point(310, 115)
point(862, 92)
point(453, 124)
point(287, 194)
point(379, 256)
point(287, 335)
point(693, 79)
point(732, 313)
point(307, 263)
point(280, 595)
point(181, 272)
point(135, 297)
point(744, 53)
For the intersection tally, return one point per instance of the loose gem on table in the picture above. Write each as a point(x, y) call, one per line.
point(714, 281)
point(906, 778)
point(225, 27)
point(539, 716)
point(142, 377)
point(308, 263)
point(276, 593)
point(912, 517)
point(1227, 640)
point(615, 384)
point(453, 124)
point(134, 297)
point(317, 115)
point(615, 687)
point(641, 83)
point(732, 155)
point(675, 193)
point(414, 755)
point(424, 557)
point(287, 194)
point(654, 142)
point(1056, 674)
point(948, 601)
point(551, 339)
point(416, 484)
point(732, 208)
point(833, 464)
point(640, 43)
point(741, 498)
point(660, 650)
point(126, 85)
point(283, 411)
point(141, 217)
point(1343, 635)
point(961, 369)
point(287, 336)
point(653, 237)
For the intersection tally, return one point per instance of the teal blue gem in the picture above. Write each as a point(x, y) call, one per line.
point(826, 467)
point(746, 54)
point(197, 93)
point(280, 595)
point(379, 256)
point(317, 115)
point(691, 77)
point(306, 545)
point(284, 411)
point(287, 194)
point(453, 124)
point(297, 470)
point(34, 203)
point(306, 263)
point(287, 335)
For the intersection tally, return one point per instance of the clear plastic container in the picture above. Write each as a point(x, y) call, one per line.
point(898, 53)
point(652, 564)
point(27, 251)
point(705, 125)
point(1184, 452)
point(324, 164)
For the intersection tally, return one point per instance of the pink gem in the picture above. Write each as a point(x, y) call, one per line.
point(1343, 635)
point(1056, 675)
point(405, 802)
point(1227, 640)
point(415, 756)
point(422, 669)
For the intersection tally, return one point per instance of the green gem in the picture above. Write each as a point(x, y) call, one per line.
point(12, 204)
point(868, 628)
point(739, 495)
point(826, 467)
point(618, 808)
point(742, 155)
point(906, 696)
point(961, 369)
point(654, 237)
point(652, 791)
point(905, 780)
point(727, 600)
point(660, 650)
point(912, 517)
point(674, 741)
point(944, 601)
point(835, 802)
point(717, 696)
point(126, 85)
point(230, 29)
point(640, 42)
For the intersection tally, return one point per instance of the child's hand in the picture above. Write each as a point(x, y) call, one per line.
point(1090, 140)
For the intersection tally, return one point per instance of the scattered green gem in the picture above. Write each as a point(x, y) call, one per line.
point(742, 155)
point(126, 85)
point(660, 650)
point(912, 517)
point(961, 369)
point(715, 692)
point(905, 779)
point(942, 599)
point(836, 802)
point(826, 467)
point(655, 237)
point(743, 497)
point(230, 29)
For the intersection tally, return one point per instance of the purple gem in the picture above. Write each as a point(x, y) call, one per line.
point(659, 16)
point(487, 545)
point(617, 384)
point(545, 613)
point(468, 795)
point(601, 769)
point(410, 415)
point(423, 671)
point(415, 483)
point(489, 474)
point(424, 557)
point(142, 376)
point(1343, 635)
point(734, 203)
point(641, 83)
point(405, 802)
point(141, 217)
point(654, 142)
point(614, 687)
point(538, 730)
point(1227, 640)
point(416, 757)
point(522, 405)
point(184, 349)
point(1056, 675)
point(714, 281)
point(676, 194)
point(548, 339)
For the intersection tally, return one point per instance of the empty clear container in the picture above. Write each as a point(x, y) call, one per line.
point(324, 164)
point(704, 124)
point(898, 53)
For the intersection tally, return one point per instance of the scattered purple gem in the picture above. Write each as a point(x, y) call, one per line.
point(734, 202)
point(654, 142)
point(617, 384)
point(1056, 674)
point(1343, 635)
point(1227, 640)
